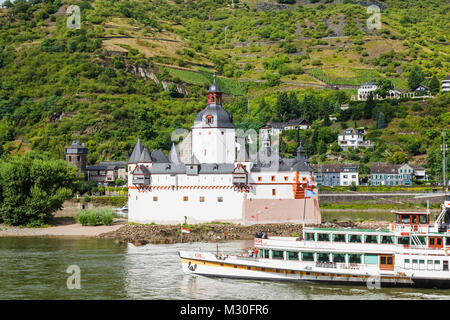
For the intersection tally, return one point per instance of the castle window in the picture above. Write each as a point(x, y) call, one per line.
point(185, 198)
point(274, 192)
point(209, 119)
point(285, 178)
point(70, 158)
point(273, 178)
point(202, 199)
point(259, 179)
point(78, 158)
point(222, 132)
point(155, 198)
point(219, 199)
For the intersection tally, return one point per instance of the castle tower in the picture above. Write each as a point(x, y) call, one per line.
point(76, 155)
point(213, 132)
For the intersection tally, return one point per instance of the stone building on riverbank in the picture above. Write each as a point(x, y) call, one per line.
point(219, 180)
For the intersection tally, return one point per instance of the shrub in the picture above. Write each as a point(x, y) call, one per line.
point(81, 217)
point(107, 217)
point(94, 217)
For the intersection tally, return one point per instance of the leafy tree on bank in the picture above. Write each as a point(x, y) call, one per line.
point(434, 85)
point(415, 78)
point(33, 187)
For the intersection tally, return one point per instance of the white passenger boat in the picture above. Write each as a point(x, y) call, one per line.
point(411, 252)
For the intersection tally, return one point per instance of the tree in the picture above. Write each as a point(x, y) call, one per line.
point(381, 121)
point(383, 87)
point(434, 85)
point(33, 187)
point(415, 78)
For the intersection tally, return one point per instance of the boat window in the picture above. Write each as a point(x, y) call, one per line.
point(323, 257)
point(445, 265)
point(387, 239)
point(291, 255)
point(261, 253)
point(414, 260)
point(277, 254)
point(371, 239)
point(439, 241)
point(307, 256)
point(403, 240)
point(310, 236)
point(338, 257)
point(323, 237)
point(371, 259)
point(407, 260)
point(405, 218)
point(341, 238)
point(266, 253)
point(423, 219)
point(354, 258)
point(429, 261)
point(431, 241)
point(413, 219)
point(437, 262)
point(354, 238)
point(422, 240)
point(447, 241)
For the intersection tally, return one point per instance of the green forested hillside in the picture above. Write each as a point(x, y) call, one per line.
point(141, 68)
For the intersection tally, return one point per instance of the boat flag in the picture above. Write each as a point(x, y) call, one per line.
point(309, 193)
point(185, 230)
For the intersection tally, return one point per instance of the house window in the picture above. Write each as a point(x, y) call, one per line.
point(219, 199)
point(286, 178)
point(202, 199)
point(273, 178)
point(274, 192)
point(70, 158)
point(155, 198)
point(185, 198)
point(259, 179)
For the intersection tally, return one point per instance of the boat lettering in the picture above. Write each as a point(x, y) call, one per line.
point(198, 255)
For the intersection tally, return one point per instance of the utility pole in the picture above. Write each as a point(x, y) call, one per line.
point(444, 162)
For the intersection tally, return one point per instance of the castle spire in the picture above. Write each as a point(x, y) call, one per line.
point(173, 155)
point(136, 154)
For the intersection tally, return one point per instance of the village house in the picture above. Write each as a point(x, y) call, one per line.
point(352, 138)
point(276, 128)
point(445, 84)
point(106, 173)
point(336, 174)
point(370, 87)
point(395, 174)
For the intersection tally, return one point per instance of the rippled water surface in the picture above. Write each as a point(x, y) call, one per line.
point(35, 268)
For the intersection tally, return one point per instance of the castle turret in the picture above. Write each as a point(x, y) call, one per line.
point(76, 155)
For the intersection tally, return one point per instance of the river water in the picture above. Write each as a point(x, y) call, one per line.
point(35, 268)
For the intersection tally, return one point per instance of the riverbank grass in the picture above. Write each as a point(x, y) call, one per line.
point(94, 217)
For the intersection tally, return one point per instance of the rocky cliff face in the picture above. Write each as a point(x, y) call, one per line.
point(149, 74)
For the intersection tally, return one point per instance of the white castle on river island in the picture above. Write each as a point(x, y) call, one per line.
point(215, 185)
